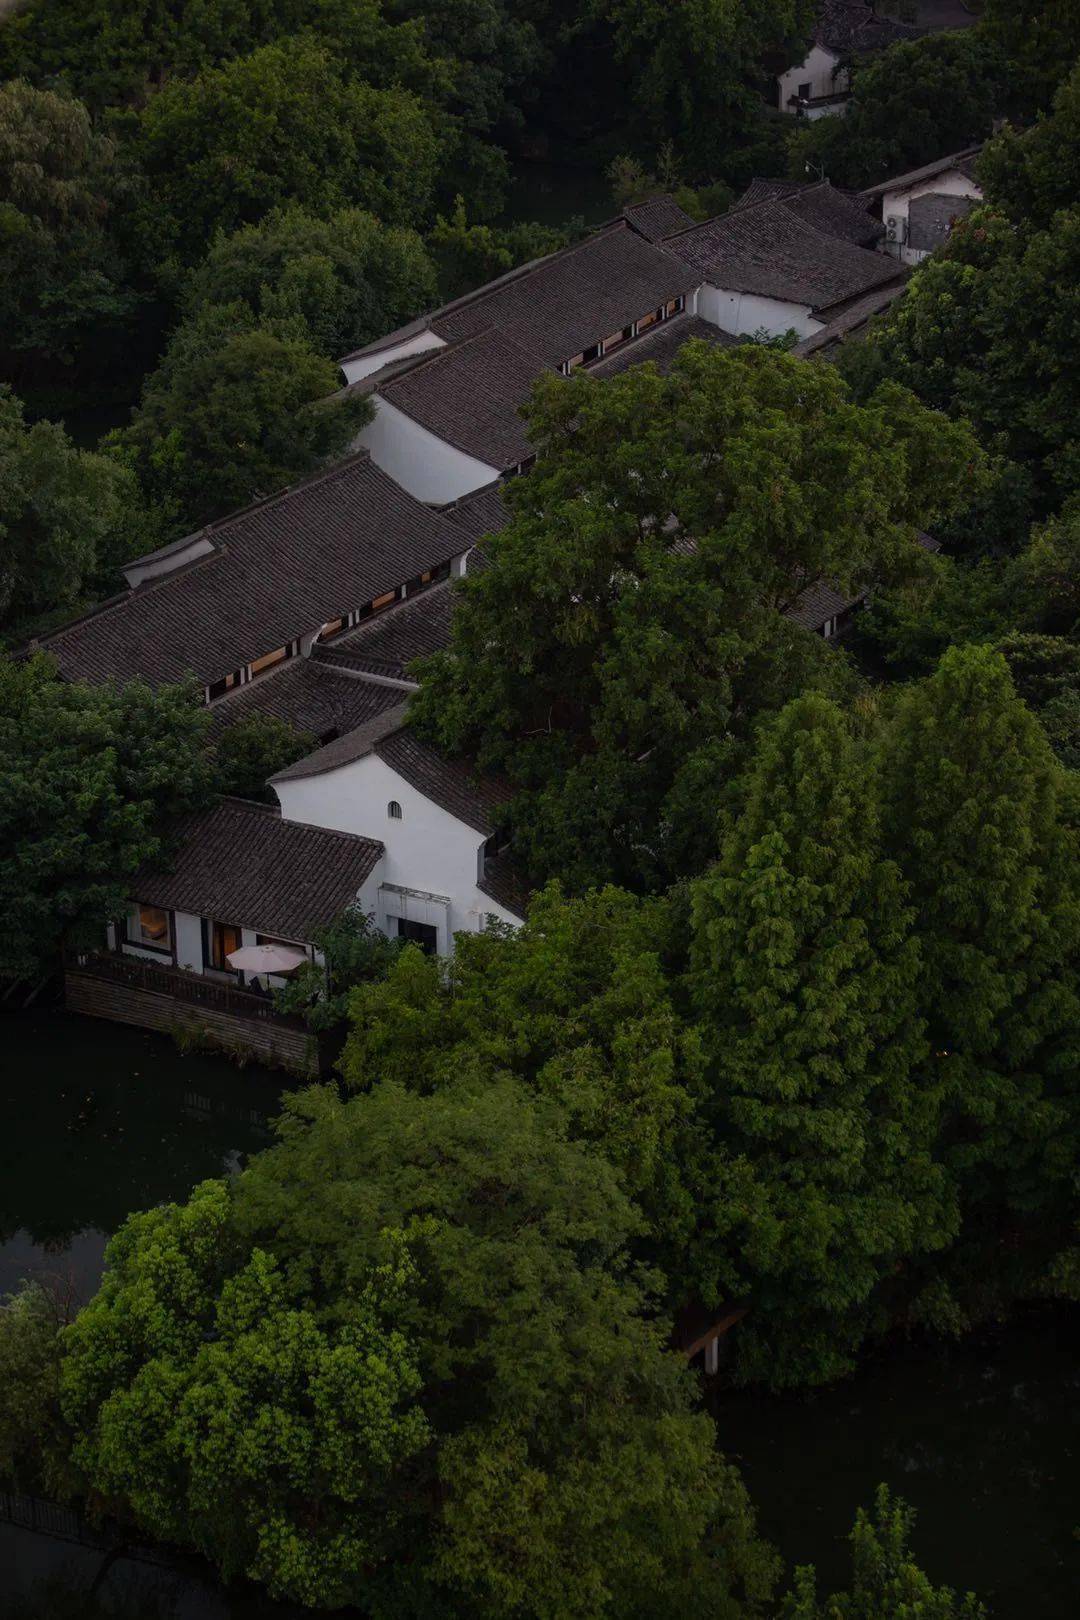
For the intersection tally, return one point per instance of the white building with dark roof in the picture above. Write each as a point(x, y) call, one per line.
point(918, 209)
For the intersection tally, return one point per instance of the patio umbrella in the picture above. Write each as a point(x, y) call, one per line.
point(266, 958)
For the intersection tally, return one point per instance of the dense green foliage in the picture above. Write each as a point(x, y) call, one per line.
point(89, 777)
point(353, 952)
point(909, 105)
point(886, 1582)
point(67, 517)
point(631, 626)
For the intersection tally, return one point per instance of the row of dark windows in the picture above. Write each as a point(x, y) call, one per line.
point(336, 627)
point(596, 351)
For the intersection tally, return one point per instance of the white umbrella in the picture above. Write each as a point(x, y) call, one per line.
point(266, 958)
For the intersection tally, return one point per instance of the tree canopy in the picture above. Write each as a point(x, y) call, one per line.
point(90, 777)
point(632, 622)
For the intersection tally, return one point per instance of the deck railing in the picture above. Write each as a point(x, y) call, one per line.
point(192, 988)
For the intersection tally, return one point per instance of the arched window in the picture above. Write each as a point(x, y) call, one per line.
point(393, 810)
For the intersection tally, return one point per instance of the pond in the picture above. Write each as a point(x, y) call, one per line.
point(982, 1438)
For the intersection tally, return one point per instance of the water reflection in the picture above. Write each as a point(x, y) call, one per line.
point(99, 1120)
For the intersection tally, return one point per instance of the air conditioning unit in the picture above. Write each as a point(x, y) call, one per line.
point(895, 228)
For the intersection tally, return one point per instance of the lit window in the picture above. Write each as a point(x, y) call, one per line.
point(384, 600)
point(151, 928)
point(268, 660)
point(393, 810)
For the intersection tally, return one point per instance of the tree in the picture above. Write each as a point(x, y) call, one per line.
point(909, 105)
point(977, 815)
point(235, 411)
point(1040, 44)
point(576, 1004)
point(66, 515)
point(469, 255)
point(1032, 173)
point(89, 779)
point(399, 1362)
point(249, 752)
point(282, 125)
point(348, 277)
point(61, 272)
point(354, 953)
point(122, 52)
point(31, 1438)
point(630, 626)
point(206, 1395)
point(887, 1584)
point(804, 978)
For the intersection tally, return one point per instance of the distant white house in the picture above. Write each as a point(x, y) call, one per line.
point(820, 85)
point(918, 208)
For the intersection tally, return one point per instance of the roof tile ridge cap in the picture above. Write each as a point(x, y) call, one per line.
point(236, 801)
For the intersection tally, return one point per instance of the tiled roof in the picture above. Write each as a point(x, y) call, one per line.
point(846, 27)
point(387, 644)
point(931, 216)
point(279, 569)
point(657, 217)
point(824, 206)
point(963, 162)
point(470, 394)
point(660, 345)
point(850, 319)
point(574, 298)
point(347, 749)
point(451, 783)
point(241, 863)
point(768, 250)
point(483, 512)
point(307, 694)
point(505, 883)
point(813, 607)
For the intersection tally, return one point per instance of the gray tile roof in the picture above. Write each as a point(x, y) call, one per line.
point(660, 345)
point(506, 884)
point(574, 298)
point(657, 217)
point(846, 26)
point(470, 395)
point(481, 513)
point(387, 643)
point(241, 863)
point(347, 749)
point(931, 216)
point(451, 783)
point(279, 569)
point(307, 694)
point(825, 207)
point(768, 250)
point(849, 319)
point(963, 161)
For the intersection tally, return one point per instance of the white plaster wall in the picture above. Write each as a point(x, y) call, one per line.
point(419, 461)
point(365, 364)
point(166, 560)
point(427, 850)
point(817, 70)
point(740, 313)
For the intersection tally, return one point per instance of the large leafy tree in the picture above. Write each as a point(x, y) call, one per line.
point(66, 516)
point(89, 778)
point(399, 1363)
point(1041, 44)
point(205, 1394)
point(909, 105)
point(978, 815)
point(284, 124)
point(576, 1005)
point(1031, 173)
point(804, 979)
point(236, 410)
point(631, 624)
point(348, 277)
point(61, 272)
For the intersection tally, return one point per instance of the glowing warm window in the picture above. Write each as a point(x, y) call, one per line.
point(267, 661)
point(151, 927)
point(384, 600)
point(646, 321)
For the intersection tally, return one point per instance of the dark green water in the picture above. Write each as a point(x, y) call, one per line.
point(983, 1438)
